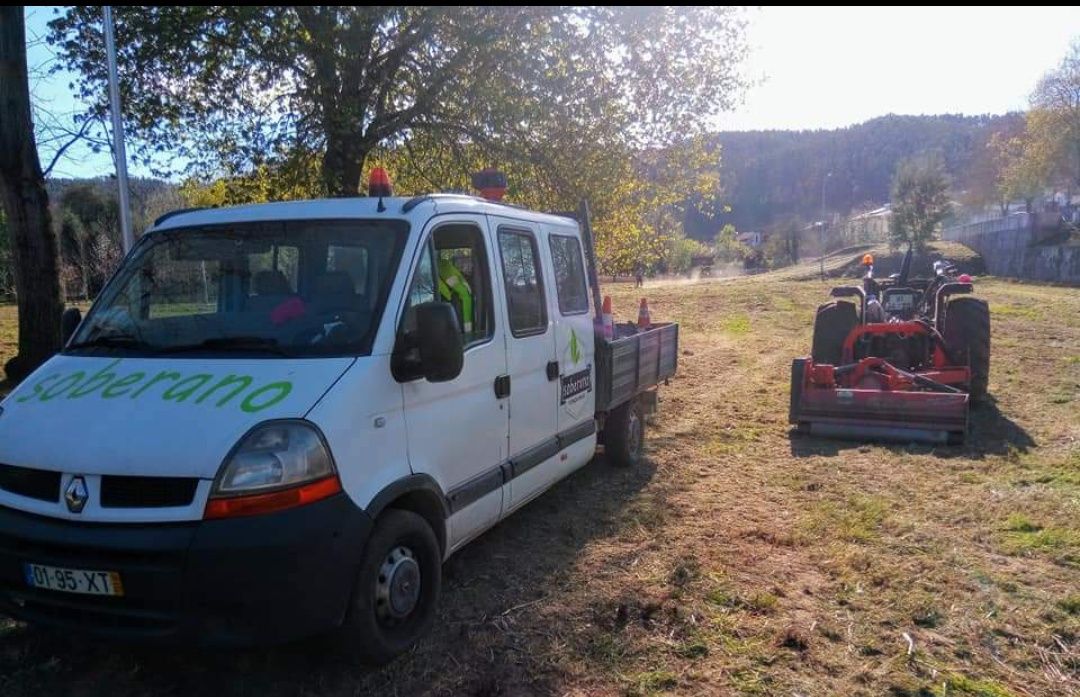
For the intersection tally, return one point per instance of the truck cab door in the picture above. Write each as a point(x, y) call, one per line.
point(574, 343)
point(457, 430)
point(531, 360)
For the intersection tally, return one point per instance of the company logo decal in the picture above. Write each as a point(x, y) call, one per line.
point(575, 348)
point(168, 385)
point(575, 384)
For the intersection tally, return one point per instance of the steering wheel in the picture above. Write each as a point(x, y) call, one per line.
point(330, 327)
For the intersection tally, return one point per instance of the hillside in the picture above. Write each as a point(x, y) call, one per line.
point(766, 175)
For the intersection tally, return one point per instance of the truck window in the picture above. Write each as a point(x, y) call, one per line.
point(268, 288)
point(569, 274)
point(461, 276)
point(524, 290)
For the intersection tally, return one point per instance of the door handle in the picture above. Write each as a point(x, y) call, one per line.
point(552, 370)
point(502, 386)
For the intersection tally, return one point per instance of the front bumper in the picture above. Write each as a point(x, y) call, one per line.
point(241, 581)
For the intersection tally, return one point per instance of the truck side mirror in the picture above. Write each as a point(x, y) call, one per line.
point(442, 351)
point(69, 322)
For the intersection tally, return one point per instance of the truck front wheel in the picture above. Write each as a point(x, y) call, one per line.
point(624, 434)
point(397, 589)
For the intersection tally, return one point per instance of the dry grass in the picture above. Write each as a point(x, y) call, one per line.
point(739, 560)
point(9, 339)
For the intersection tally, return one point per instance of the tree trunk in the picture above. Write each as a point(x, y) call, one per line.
point(84, 271)
point(342, 167)
point(33, 241)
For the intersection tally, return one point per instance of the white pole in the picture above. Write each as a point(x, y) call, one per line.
point(119, 154)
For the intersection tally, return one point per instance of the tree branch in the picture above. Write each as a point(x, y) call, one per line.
point(63, 148)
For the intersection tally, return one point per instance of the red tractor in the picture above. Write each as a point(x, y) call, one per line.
point(901, 362)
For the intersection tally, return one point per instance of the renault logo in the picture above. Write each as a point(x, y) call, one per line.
point(76, 495)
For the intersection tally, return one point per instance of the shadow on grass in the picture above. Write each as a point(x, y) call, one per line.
point(497, 617)
point(990, 432)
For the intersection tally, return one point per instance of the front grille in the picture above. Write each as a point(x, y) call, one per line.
point(36, 484)
point(147, 492)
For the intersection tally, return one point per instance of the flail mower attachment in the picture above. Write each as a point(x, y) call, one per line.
point(873, 400)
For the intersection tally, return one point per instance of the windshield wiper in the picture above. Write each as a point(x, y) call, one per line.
point(111, 341)
point(240, 343)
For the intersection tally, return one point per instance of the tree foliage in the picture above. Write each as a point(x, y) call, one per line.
point(782, 244)
point(1054, 119)
point(232, 88)
point(267, 103)
point(1023, 166)
point(920, 200)
point(728, 247)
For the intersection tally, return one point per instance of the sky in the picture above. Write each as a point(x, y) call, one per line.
point(829, 67)
point(811, 67)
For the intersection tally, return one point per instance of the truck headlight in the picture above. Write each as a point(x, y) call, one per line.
point(277, 465)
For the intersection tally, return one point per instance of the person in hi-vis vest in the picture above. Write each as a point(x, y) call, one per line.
point(452, 284)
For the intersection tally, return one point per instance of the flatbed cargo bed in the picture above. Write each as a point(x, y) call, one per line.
point(629, 365)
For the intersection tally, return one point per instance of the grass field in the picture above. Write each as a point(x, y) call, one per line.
point(740, 560)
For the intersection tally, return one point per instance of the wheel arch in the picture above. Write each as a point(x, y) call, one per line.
point(418, 493)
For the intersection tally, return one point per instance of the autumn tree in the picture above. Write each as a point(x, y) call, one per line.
point(728, 247)
point(920, 200)
point(89, 237)
point(232, 88)
point(26, 206)
point(1024, 165)
point(782, 244)
point(1054, 119)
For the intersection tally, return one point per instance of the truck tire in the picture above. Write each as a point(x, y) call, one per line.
point(624, 434)
point(397, 589)
point(832, 324)
point(967, 339)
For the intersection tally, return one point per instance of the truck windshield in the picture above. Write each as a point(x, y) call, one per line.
point(293, 288)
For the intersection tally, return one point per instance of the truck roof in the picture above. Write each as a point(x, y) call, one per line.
point(357, 207)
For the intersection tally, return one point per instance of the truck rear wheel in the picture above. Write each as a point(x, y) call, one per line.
point(397, 589)
point(967, 337)
point(624, 434)
point(832, 324)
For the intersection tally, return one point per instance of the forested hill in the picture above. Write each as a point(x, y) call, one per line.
point(770, 174)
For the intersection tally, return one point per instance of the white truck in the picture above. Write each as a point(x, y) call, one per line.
point(272, 423)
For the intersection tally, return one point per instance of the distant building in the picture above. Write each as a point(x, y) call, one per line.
point(751, 239)
point(871, 226)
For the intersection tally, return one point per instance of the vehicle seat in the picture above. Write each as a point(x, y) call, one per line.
point(269, 289)
point(334, 291)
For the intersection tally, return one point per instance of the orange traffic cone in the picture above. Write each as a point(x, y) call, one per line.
point(607, 320)
point(644, 321)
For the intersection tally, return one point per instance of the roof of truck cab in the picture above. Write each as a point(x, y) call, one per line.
point(358, 207)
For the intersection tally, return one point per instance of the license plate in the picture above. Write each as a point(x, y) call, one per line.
point(73, 580)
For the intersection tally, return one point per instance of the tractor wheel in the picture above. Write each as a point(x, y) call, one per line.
point(967, 339)
point(833, 323)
